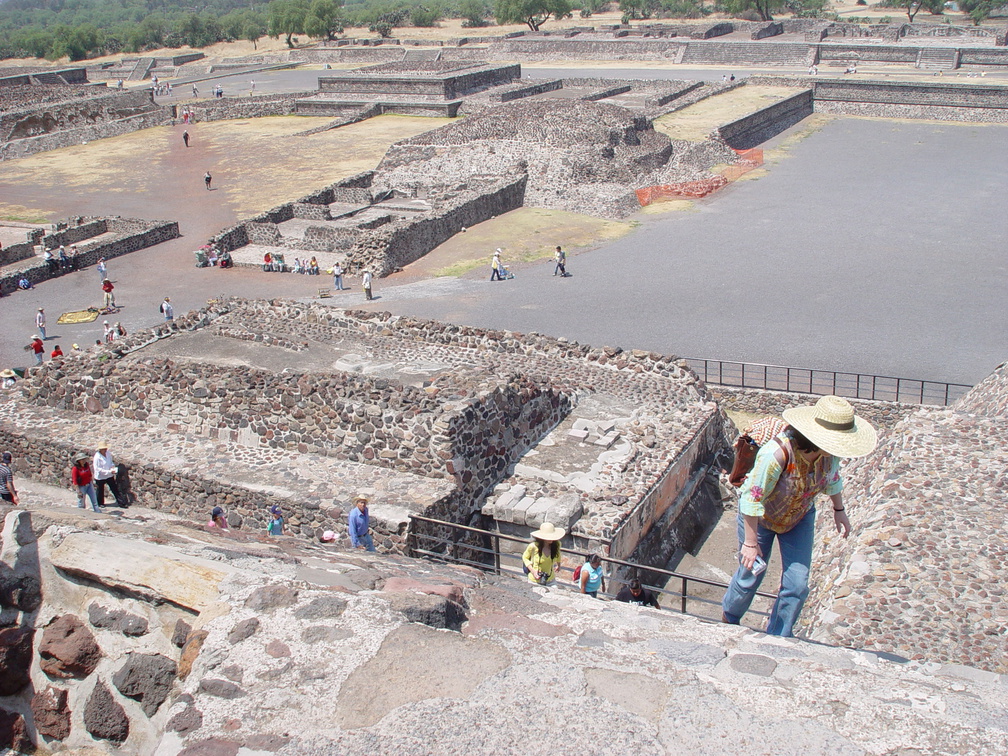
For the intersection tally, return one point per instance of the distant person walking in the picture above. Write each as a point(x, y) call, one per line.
point(40, 322)
point(496, 266)
point(366, 283)
point(195, 92)
point(102, 269)
point(592, 578)
point(185, 138)
point(560, 257)
point(359, 525)
point(167, 310)
point(252, 88)
point(777, 502)
point(37, 348)
point(207, 178)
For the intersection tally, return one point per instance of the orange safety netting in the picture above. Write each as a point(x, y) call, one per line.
point(747, 160)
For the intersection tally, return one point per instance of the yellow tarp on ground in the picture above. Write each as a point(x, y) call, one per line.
point(82, 316)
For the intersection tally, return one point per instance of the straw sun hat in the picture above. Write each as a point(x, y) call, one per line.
point(549, 532)
point(832, 426)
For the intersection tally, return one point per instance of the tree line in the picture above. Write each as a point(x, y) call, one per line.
point(81, 29)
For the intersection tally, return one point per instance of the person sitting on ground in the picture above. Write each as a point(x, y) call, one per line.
point(359, 525)
point(212, 256)
point(9, 378)
point(267, 262)
point(120, 332)
point(217, 519)
point(542, 557)
point(637, 595)
point(276, 523)
point(24, 284)
point(592, 579)
point(313, 267)
point(279, 265)
point(297, 267)
point(225, 260)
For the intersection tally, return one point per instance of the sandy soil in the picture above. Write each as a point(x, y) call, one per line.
point(257, 163)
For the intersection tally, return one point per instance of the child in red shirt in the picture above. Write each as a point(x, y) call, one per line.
point(82, 479)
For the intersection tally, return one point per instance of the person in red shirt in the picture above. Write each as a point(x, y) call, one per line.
point(37, 347)
point(57, 352)
point(107, 287)
point(82, 479)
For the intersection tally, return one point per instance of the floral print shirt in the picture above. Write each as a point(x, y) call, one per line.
point(781, 497)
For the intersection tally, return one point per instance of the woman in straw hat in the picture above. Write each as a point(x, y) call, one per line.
point(82, 479)
point(542, 556)
point(778, 502)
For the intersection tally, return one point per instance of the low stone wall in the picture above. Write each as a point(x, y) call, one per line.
point(83, 134)
point(13, 253)
point(397, 244)
point(769, 29)
point(754, 129)
point(227, 108)
point(131, 235)
point(75, 233)
point(883, 415)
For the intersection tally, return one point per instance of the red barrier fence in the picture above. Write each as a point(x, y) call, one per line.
point(747, 160)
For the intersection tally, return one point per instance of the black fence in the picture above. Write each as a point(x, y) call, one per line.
point(481, 549)
point(881, 388)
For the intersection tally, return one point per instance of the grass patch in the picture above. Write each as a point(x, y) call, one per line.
point(22, 214)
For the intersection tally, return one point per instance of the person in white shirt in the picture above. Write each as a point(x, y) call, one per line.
point(105, 471)
point(366, 283)
point(40, 322)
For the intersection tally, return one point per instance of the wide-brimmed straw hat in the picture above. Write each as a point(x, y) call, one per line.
point(81, 455)
point(833, 426)
point(103, 444)
point(8, 373)
point(549, 532)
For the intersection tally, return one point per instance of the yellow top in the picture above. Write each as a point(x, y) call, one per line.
point(544, 563)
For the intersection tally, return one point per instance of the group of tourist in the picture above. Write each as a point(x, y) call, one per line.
point(777, 503)
point(306, 267)
point(500, 272)
point(90, 475)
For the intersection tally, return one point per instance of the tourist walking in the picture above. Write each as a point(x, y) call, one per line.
point(542, 557)
point(496, 266)
point(108, 288)
point(207, 178)
point(637, 595)
point(105, 472)
point(102, 269)
point(560, 257)
point(276, 523)
point(167, 310)
point(37, 348)
point(359, 525)
point(366, 283)
point(8, 493)
point(82, 479)
point(337, 277)
point(218, 519)
point(185, 138)
point(40, 322)
point(592, 578)
point(778, 502)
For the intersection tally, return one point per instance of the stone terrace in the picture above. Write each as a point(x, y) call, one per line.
point(439, 409)
point(924, 572)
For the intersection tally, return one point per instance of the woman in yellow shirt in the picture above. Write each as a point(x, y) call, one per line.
point(542, 556)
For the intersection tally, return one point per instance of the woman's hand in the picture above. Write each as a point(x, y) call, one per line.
point(748, 554)
point(536, 574)
point(841, 522)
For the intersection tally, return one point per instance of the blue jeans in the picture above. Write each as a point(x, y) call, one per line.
point(366, 541)
point(337, 283)
point(796, 558)
point(89, 492)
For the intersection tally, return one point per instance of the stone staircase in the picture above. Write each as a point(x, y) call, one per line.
point(938, 59)
point(414, 56)
point(142, 69)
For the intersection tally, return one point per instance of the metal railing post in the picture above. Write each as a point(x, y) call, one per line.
point(684, 589)
point(497, 562)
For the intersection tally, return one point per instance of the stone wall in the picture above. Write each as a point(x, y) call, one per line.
point(130, 235)
point(82, 134)
point(92, 106)
point(754, 129)
point(226, 108)
point(75, 233)
point(769, 29)
point(399, 243)
point(13, 253)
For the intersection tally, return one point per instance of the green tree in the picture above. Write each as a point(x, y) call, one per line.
point(979, 10)
point(638, 9)
point(324, 20)
point(473, 13)
point(532, 12)
point(287, 17)
point(913, 7)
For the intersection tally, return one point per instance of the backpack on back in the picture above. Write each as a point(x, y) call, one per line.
point(748, 444)
point(577, 574)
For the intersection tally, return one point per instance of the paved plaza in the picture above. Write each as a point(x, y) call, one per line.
point(873, 246)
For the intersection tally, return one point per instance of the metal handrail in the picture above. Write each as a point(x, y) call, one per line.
point(453, 546)
point(887, 388)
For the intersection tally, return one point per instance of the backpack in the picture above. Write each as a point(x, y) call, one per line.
point(577, 574)
point(749, 443)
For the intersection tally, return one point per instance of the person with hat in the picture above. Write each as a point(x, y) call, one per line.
point(108, 288)
point(9, 377)
point(542, 557)
point(217, 519)
point(8, 493)
point(40, 322)
point(777, 502)
point(359, 524)
point(105, 471)
point(36, 346)
point(638, 595)
point(496, 266)
point(276, 524)
point(82, 479)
